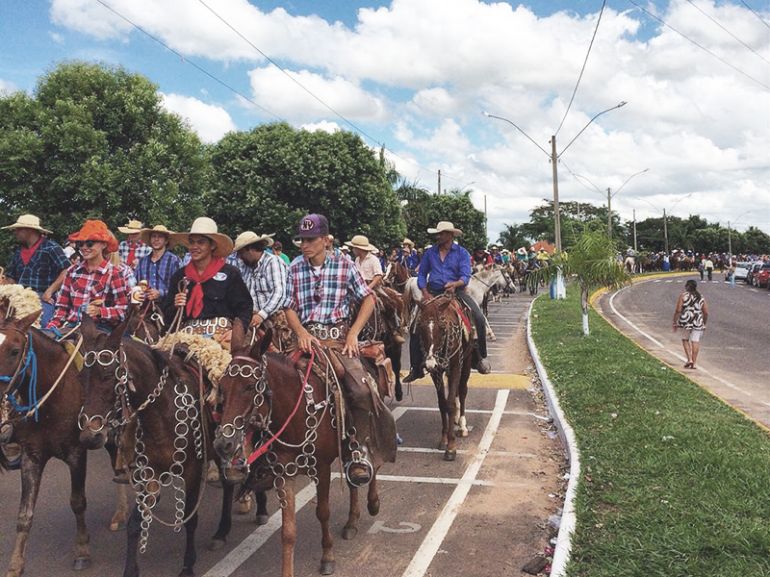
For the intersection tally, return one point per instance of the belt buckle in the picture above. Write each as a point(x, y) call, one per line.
point(334, 333)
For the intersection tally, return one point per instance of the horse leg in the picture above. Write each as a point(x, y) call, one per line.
point(490, 333)
point(225, 520)
point(190, 553)
point(453, 379)
point(354, 513)
point(373, 497)
point(438, 381)
point(322, 512)
point(31, 472)
point(288, 528)
point(77, 465)
point(462, 425)
point(121, 508)
point(133, 530)
point(262, 516)
point(462, 393)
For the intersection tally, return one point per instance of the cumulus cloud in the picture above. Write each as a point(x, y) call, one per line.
point(211, 122)
point(7, 87)
point(323, 126)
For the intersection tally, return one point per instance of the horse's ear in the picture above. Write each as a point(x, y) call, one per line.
point(238, 336)
point(260, 347)
point(117, 333)
point(4, 305)
point(26, 322)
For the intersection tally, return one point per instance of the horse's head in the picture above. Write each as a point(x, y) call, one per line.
point(243, 394)
point(434, 322)
point(104, 370)
point(14, 344)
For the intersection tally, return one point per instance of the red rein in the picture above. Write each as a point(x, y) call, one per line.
point(264, 448)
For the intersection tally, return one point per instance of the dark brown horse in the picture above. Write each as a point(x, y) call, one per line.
point(32, 363)
point(127, 381)
point(396, 276)
point(263, 394)
point(448, 348)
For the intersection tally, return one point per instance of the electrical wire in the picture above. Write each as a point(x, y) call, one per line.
point(722, 60)
point(577, 84)
point(718, 23)
point(762, 20)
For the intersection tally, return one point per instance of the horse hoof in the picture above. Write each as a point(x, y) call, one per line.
point(461, 432)
point(349, 532)
point(450, 455)
point(373, 507)
point(262, 520)
point(216, 544)
point(327, 568)
point(442, 446)
point(81, 563)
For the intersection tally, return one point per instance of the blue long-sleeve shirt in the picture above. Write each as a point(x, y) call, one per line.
point(435, 273)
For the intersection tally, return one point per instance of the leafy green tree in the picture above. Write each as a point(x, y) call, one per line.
point(513, 237)
point(426, 210)
point(593, 261)
point(575, 217)
point(267, 178)
point(94, 142)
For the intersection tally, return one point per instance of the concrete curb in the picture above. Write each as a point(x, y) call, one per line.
point(563, 547)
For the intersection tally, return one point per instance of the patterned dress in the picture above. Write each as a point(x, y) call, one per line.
point(691, 316)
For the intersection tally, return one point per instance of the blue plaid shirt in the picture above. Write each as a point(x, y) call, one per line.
point(325, 296)
point(42, 269)
point(158, 274)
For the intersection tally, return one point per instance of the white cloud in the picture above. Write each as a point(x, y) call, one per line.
point(323, 126)
point(7, 87)
point(209, 121)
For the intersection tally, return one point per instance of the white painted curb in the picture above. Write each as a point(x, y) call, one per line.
point(567, 435)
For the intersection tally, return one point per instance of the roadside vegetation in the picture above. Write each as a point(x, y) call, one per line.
point(673, 481)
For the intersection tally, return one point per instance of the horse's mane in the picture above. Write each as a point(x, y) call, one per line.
point(207, 352)
point(21, 301)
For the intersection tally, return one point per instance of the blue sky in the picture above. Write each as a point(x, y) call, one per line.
point(416, 75)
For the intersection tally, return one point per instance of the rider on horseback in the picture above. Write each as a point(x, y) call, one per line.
point(408, 257)
point(159, 266)
point(446, 268)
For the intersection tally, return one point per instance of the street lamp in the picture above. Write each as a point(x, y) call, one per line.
point(554, 156)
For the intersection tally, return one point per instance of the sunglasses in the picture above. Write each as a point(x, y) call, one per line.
point(86, 243)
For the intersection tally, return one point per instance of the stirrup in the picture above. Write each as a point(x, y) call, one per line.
point(359, 480)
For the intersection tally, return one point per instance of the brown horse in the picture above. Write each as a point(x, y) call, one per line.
point(32, 363)
point(261, 393)
point(448, 350)
point(396, 276)
point(126, 380)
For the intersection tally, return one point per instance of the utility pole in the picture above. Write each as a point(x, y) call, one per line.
point(665, 230)
point(556, 213)
point(729, 241)
point(635, 249)
point(439, 181)
point(486, 223)
point(609, 212)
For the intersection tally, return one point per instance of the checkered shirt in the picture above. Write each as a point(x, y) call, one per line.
point(141, 250)
point(325, 297)
point(80, 287)
point(158, 273)
point(267, 283)
point(42, 269)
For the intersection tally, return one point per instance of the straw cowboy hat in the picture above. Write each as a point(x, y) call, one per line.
point(250, 237)
point(28, 221)
point(204, 226)
point(132, 227)
point(445, 226)
point(360, 241)
point(157, 229)
point(98, 231)
point(407, 241)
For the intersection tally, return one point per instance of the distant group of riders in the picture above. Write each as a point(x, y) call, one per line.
point(144, 321)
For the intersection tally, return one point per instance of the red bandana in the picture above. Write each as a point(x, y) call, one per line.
point(195, 301)
point(27, 252)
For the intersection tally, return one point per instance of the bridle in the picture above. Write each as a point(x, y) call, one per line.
point(254, 369)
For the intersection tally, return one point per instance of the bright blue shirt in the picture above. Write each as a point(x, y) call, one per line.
point(435, 274)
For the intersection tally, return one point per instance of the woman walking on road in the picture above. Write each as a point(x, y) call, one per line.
point(691, 314)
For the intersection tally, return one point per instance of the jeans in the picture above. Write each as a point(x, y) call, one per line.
point(48, 310)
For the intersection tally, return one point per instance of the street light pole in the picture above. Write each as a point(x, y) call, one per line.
point(556, 211)
point(729, 241)
point(665, 231)
point(609, 212)
point(635, 249)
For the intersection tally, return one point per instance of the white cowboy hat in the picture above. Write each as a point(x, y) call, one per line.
point(407, 241)
point(28, 221)
point(249, 237)
point(132, 227)
point(445, 226)
point(360, 241)
point(522, 251)
point(158, 229)
point(204, 226)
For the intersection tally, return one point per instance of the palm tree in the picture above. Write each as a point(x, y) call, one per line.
point(593, 261)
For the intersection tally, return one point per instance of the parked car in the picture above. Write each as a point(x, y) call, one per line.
point(761, 277)
point(754, 268)
point(742, 270)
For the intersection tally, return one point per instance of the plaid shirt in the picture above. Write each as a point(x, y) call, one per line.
point(141, 250)
point(42, 269)
point(267, 283)
point(158, 273)
point(80, 287)
point(325, 297)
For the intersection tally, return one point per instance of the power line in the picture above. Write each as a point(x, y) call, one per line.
point(715, 21)
point(191, 62)
point(762, 20)
point(596, 29)
point(722, 60)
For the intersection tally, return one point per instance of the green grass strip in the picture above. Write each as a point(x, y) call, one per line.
point(673, 481)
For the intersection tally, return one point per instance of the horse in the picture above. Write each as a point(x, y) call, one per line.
point(127, 382)
point(629, 264)
point(261, 392)
point(147, 323)
point(448, 350)
point(47, 397)
point(396, 275)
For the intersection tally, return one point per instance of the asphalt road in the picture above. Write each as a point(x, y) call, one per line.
point(733, 360)
point(482, 515)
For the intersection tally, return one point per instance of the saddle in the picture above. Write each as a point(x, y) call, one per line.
point(464, 313)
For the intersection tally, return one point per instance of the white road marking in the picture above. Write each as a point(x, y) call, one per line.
point(430, 545)
point(465, 451)
point(677, 355)
point(380, 527)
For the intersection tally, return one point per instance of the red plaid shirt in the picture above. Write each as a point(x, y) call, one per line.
point(80, 287)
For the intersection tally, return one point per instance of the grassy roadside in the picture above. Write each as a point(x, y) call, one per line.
point(674, 483)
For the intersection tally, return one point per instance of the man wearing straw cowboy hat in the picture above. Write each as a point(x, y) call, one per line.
point(132, 250)
point(157, 268)
point(266, 275)
point(210, 292)
point(446, 268)
point(408, 257)
point(38, 263)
